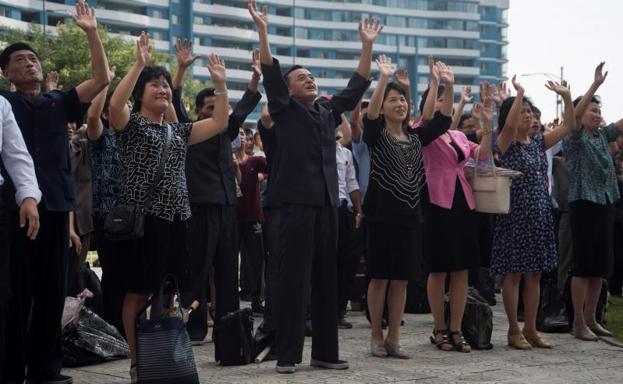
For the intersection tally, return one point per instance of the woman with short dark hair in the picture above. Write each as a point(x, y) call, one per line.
point(142, 136)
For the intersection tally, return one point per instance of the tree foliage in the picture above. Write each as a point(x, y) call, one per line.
point(67, 53)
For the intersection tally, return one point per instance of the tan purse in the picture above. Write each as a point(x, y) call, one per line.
point(491, 190)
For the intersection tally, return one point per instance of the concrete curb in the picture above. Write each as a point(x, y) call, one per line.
point(611, 341)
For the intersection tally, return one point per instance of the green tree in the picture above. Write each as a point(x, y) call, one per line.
point(68, 54)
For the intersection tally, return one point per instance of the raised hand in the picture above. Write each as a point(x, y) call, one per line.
point(51, 81)
point(84, 17)
point(446, 75)
point(433, 70)
point(503, 90)
point(386, 68)
point(184, 53)
point(561, 89)
point(255, 63)
point(518, 87)
point(260, 18)
point(600, 76)
point(143, 49)
point(466, 94)
point(477, 111)
point(111, 73)
point(494, 94)
point(216, 67)
point(402, 77)
point(369, 29)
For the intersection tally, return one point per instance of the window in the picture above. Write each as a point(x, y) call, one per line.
point(175, 19)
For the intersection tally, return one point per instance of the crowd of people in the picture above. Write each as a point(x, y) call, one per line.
point(319, 177)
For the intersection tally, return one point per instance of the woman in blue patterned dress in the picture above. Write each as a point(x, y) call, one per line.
point(593, 190)
point(524, 242)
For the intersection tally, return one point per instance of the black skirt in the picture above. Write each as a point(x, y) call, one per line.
point(592, 230)
point(452, 235)
point(393, 252)
point(140, 265)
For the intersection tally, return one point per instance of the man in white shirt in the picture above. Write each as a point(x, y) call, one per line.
point(17, 162)
point(349, 214)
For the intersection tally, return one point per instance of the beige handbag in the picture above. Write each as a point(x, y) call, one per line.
point(492, 190)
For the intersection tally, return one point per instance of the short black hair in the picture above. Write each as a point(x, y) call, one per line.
point(5, 56)
point(440, 90)
point(536, 110)
point(200, 98)
point(462, 119)
point(595, 99)
point(505, 108)
point(148, 74)
point(248, 131)
point(364, 104)
point(292, 69)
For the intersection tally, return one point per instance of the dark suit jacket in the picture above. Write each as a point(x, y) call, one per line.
point(209, 164)
point(302, 167)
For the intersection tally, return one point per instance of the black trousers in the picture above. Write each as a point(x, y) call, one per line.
point(112, 298)
point(213, 243)
point(38, 284)
point(272, 239)
point(306, 261)
point(252, 255)
point(347, 260)
point(4, 280)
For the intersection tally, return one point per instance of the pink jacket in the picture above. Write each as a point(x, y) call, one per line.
point(442, 168)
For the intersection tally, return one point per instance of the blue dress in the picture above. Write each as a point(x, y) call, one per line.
point(524, 239)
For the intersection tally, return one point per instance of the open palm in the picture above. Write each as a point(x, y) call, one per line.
point(84, 16)
point(260, 18)
point(369, 29)
point(386, 68)
point(216, 67)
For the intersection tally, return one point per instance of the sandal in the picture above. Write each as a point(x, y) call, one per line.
point(443, 343)
point(459, 343)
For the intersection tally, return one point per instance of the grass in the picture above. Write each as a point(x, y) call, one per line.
point(615, 316)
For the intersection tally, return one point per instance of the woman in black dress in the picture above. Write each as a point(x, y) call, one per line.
point(141, 264)
point(392, 205)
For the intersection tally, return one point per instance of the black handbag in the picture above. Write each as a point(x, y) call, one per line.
point(233, 338)
point(126, 222)
point(163, 351)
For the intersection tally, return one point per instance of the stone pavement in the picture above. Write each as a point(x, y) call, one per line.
point(571, 361)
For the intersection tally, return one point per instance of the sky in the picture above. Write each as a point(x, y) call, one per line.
point(544, 35)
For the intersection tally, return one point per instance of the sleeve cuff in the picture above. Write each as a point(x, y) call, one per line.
point(25, 193)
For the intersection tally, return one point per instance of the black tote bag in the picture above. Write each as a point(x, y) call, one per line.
point(163, 352)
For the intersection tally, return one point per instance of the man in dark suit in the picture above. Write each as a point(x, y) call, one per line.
point(303, 185)
point(213, 234)
point(39, 267)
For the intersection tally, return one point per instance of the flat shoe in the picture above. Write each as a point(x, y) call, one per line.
point(395, 350)
point(518, 341)
point(537, 341)
point(584, 334)
point(377, 348)
point(598, 330)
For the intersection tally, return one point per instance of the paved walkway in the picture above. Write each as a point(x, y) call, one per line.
point(571, 361)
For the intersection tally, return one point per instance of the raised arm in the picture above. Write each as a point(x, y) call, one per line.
point(210, 127)
point(441, 121)
point(85, 19)
point(598, 80)
point(369, 29)
point(185, 58)
point(261, 21)
point(94, 113)
point(550, 138)
point(402, 77)
point(446, 77)
point(51, 81)
point(347, 134)
point(355, 123)
point(509, 130)
point(265, 119)
point(118, 110)
point(483, 114)
point(257, 71)
point(429, 105)
point(466, 97)
point(386, 71)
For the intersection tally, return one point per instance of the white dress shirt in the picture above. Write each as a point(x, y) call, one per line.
point(15, 156)
point(346, 176)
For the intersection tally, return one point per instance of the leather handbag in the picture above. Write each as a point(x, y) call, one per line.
point(127, 221)
point(491, 190)
point(163, 351)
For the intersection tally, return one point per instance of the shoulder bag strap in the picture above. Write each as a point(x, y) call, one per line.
point(160, 171)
